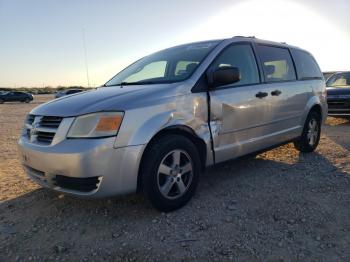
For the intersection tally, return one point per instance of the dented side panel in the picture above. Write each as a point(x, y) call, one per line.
point(140, 125)
point(237, 118)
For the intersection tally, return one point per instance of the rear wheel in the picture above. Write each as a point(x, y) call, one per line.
point(1, 101)
point(170, 172)
point(311, 133)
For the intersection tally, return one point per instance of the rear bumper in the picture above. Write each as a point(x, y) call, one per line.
point(83, 167)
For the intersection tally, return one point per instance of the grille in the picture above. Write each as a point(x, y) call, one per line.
point(86, 184)
point(50, 121)
point(42, 129)
point(45, 137)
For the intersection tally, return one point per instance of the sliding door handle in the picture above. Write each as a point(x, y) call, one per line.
point(261, 94)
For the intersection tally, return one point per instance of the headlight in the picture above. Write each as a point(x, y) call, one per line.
point(102, 124)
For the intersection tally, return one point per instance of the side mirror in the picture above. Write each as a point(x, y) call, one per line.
point(224, 76)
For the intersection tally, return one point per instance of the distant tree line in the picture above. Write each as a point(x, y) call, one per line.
point(42, 90)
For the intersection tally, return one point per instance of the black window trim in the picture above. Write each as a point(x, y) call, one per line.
point(198, 87)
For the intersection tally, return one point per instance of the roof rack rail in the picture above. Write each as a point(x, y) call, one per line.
point(245, 36)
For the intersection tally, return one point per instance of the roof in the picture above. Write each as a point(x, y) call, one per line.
point(266, 42)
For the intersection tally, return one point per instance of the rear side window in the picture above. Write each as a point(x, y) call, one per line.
point(306, 65)
point(242, 57)
point(277, 64)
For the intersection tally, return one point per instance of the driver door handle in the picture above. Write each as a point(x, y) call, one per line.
point(276, 93)
point(261, 94)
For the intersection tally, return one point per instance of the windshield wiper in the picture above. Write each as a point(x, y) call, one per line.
point(124, 84)
point(141, 83)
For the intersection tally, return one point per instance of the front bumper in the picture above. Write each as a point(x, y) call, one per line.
point(82, 162)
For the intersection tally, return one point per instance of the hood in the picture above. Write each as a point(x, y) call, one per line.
point(338, 91)
point(106, 99)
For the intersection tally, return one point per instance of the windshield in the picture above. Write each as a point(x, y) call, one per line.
point(170, 65)
point(339, 80)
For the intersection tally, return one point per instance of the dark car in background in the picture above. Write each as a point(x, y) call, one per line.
point(67, 92)
point(13, 96)
point(328, 74)
point(338, 95)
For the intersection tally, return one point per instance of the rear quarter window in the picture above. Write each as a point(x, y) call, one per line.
point(306, 65)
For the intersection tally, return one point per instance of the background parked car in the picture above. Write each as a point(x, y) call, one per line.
point(67, 92)
point(328, 74)
point(15, 96)
point(338, 95)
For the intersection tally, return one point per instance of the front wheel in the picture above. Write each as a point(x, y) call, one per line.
point(27, 100)
point(311, 133)
point(170, 172)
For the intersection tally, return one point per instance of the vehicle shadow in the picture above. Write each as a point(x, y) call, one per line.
point(266, 189)
point(337, 129)
point(225, 175)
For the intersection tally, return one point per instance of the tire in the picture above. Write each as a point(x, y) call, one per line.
point(310, 137)
point(27, 100)
point(1, 101)
point(170, 172)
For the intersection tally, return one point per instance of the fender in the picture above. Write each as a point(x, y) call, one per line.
point(314, 100)
point(189, 112)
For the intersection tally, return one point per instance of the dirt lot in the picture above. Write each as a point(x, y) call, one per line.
point(278, 206)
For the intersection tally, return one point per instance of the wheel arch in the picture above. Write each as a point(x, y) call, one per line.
point(178, 130)
point(315, 103)
point(317, 108)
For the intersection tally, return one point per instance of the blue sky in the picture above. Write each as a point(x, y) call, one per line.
point(41, 40)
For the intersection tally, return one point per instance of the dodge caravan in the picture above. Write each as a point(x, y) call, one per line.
point(157, 124)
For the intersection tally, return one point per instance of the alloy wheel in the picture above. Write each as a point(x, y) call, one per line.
point(312, 133)
point(175, 174)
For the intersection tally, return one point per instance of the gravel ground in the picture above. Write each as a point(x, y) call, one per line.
point(278, 206)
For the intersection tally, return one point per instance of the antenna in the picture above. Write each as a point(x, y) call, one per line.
point(86, 61)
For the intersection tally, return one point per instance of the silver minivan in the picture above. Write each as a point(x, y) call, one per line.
point(156, 125)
